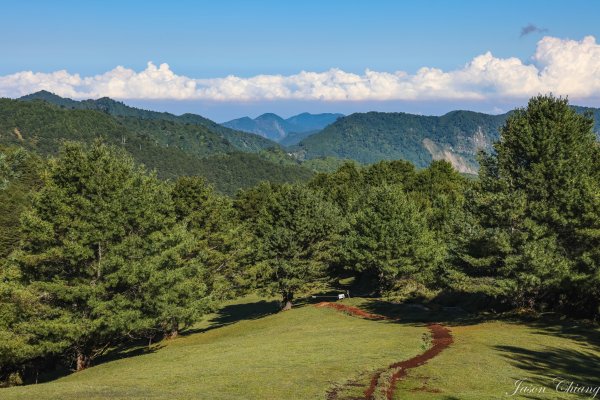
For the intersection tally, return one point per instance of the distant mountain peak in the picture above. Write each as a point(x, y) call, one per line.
point(269, 115)
point(49, 97)
point(274, 127)
point(41, 94)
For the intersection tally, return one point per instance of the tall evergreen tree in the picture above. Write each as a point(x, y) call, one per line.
point(22, 315)
point(343, 187)
point(295, 233)
point(220, 239)
point(538, 205)
point(389, 236)
point(19, 178)
point(102, 250)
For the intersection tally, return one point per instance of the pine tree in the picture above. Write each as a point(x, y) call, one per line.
point(19, 177)
point(538, 206)
point(220, 239)
point(295, 234)
point(389, 236)
point(102, 250)
point(343, 187)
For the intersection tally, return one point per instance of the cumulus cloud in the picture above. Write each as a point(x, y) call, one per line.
point(561, 66)
point(531, 28)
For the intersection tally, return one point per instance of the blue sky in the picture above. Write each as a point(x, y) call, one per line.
point(207, 40)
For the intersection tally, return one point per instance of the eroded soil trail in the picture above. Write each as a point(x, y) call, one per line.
point(383, 382)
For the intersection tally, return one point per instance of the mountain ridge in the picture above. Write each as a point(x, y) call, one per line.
point(243, 141)
point(278, 129)
point(456, 137)
point(170, 147)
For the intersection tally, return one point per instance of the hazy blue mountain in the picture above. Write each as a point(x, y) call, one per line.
point(274, 127)
point(268, 125)
point(307, 122)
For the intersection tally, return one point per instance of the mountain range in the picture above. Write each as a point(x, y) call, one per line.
point(370, 137)
point(172, 145)
point(240, 140)
point(284, 131)
point(231, 159)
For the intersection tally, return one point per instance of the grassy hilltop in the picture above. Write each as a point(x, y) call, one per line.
point(247, 351)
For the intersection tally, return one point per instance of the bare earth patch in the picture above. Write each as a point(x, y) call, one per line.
point(383, 382)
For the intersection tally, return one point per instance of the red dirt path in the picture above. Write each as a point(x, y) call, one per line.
point(357, 312)
point(441, 339)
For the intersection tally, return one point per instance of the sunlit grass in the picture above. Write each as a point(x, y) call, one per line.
point(297, 354)
point(487, 359)
point(250, 351)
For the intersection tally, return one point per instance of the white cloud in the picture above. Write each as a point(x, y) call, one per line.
point(561, 66)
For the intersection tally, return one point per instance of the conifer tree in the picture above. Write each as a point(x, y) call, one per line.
point(19, 177)
point(222, 242)
point(538, 206)
point(295, 233)
point(389, 236)
point(102, 250)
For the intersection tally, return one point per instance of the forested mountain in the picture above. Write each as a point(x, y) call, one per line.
point(241, 140)
point(294, 138)
point(172, 148)
point(189, 144)
point(370, 137)
point(290, 130)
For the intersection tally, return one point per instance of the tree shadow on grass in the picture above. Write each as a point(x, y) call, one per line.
point(407, 313)
point(238, 312)
point(583, 332)
point(581, 367)
point(225, 316)
point(55, 369)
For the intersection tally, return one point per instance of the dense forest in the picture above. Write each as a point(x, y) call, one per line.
point(241, 140)
point(230, 160)
point(98, 251)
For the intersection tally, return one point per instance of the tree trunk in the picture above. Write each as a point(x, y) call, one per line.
point(99, 270)
point(174, 329)
point(83, 361)
point(286, 304)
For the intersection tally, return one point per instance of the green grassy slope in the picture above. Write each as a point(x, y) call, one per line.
point(292, 355)
point(248, 351)
point(487, 358)
point(490, 353)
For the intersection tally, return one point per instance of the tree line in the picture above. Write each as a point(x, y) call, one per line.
point(98, 252)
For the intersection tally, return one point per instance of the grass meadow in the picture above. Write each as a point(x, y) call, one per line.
point(248, 350)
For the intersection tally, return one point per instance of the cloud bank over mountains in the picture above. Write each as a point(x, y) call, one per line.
point(561, 66)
